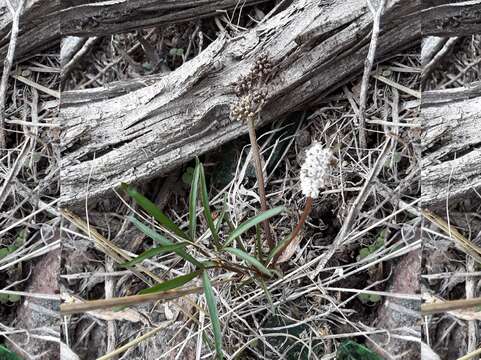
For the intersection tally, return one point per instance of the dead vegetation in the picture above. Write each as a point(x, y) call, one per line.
point(345, 285)
point(29, 221)
point(451, 237)
point(326, 293)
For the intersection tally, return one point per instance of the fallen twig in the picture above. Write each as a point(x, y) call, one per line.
point(367, 69)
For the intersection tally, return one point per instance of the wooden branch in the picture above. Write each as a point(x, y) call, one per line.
point(451, 144)
point(169, 119)
point(451, 18)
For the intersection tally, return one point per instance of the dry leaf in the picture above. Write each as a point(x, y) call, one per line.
point(290, 250)
point(126, 315)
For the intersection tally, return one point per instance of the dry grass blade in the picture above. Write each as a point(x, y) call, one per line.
point(8, 62)
point(134, 342)
point(126, 300)
point(461, 242)
point(107, 246)
point(471, 355)
point(441, 307)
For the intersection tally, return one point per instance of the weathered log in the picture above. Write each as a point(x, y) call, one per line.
point(44, 21)
point(39, 27)
point(451, 141)
point(94, 18)
point(315, 48)
point(451, 18)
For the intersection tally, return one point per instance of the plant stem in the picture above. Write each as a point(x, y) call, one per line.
point(260, 179)
point(429, 309)
point(300, 224)
point(126, 300)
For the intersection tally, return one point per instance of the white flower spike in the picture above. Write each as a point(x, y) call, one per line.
point(315, 170)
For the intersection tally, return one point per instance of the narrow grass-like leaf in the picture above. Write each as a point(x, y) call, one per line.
point(279, 248)
point(268, 294)
point(205, 203)
point(214, 317)
point(6, 354)
point(155, 251)
point(163, 241)
point(351, 350)
point(170, 284)
point(242, 228)
point(193, 201)
point(220, 218)
point(154, 211)
point(258, 243)
point(249, 259)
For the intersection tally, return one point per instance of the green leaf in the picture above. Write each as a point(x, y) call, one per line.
point(242, 228)
point(154, 251)
point(350, 350)
point(207, 214)
point(258, 243)
point(170, 284)
point(249, 259)
point(214, 317)
point(369, 298)
point(188, 175)
point(173, 52)
point(364, 298)
point(14, 297)
point(21, 237)
point(152, 210)
point(278, 248)
point(193, 201)
point(5, 251)
point(268, 294)
point(163, 241)
point(363, 253)
point(180, 52)
point(220, 218)
point(4, 298)
point(6, 354)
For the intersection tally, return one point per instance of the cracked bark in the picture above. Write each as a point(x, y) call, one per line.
point(451, 144)
point(93, 18)
point(451, 18)
point(40, 24)
point(164, 121)
point(39, 27)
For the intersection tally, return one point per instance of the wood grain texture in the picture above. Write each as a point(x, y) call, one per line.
point(39, 27)
point(164, 121)
point(93, 18)
point(45, 21)
point(451, 18)
point(451, 141)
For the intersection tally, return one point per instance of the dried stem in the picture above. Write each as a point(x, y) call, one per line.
point(126, 300)
point(428, 309)
point(260, 179)
point(7, 65)
point(377, 13)
point(300, 224)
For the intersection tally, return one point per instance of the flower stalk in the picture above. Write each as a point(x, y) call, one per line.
point(315, 172)
point(251, 93)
